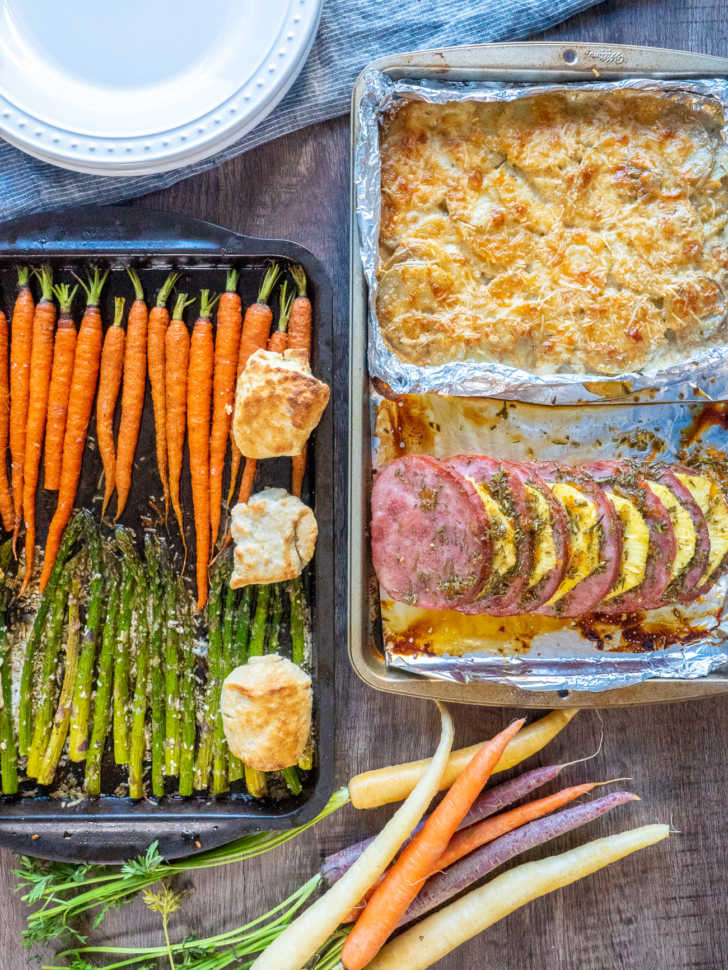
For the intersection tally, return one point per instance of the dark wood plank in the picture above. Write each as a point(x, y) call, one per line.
point(664, 908)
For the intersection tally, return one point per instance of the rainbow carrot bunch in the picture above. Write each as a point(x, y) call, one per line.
point(418, 862)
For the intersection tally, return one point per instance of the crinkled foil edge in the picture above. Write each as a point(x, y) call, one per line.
point(704, 373)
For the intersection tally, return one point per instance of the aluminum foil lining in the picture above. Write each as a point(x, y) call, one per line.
point(703, 375)
point(546, 653)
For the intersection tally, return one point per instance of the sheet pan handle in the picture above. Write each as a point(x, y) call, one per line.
point(559, 60)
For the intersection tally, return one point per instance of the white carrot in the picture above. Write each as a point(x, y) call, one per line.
point(303, 937)
point(434, 937)
point(385, 785)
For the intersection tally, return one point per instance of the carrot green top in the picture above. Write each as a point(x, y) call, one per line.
point(207, 304)
point(231, 280)
point(65, 295)
point(269, 281)
point(23, 276)
point(166, 290)
point(299, 278)
point(137, 283)
point(94, 286)
point(286, 302)
point(179, 307)
point(45, 275)
point(119, 302)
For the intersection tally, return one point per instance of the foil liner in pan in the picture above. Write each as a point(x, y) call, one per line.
point(541, 653)
point(704, 374)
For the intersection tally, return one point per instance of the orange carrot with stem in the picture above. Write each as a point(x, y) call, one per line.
point(112, 365)
point(41, 362)
point(64, 351)
point(256, 327)
point(470, 839)
point(7, 512)
point(80, 406)
point(277, 342)
point(158, 323)
point(227, 347)
point(392, 897)
point(133, 388)
point(299, 338)
point(21, 339)
point(177, 355)
point(199, 396)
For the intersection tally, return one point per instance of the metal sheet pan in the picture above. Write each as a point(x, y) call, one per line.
point(536, 62)
point(113, 828)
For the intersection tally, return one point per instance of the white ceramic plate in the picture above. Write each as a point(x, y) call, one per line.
point(142, 86)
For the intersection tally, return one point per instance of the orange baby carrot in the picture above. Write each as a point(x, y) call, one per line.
point(64, 351)
point(199, 395)
point(6, 499)
point(277, 342)
point(299, 338)
point(390, 900)
point(227, 346)
point(158, 323)
point(112, 365)
point(132, 392)
point(21, 338)
point(41, 362)
point(256, 327)
point(80, 405)
point(470, 839)
point(177, 354)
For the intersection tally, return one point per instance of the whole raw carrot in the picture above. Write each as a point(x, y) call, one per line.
point(132, 392)
point(21, 338)
point(299, 338)
point(64, 351)
point(199, 394)
point(277, 342)
point(390, 900)
point(41, 362)
point(6, 499)
point(80, 405)
point(256, 327)
point(112, 365)
point(177, 355)
point(227, 346)
point(158, 323)
point(468, 839)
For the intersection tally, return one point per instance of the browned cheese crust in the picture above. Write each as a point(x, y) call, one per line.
point(266, 712)
point(580, 232)
point(278, 403)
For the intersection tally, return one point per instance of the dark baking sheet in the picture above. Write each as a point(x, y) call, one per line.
point(112, 828)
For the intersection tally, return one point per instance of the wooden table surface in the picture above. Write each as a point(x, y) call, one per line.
point(664, 908)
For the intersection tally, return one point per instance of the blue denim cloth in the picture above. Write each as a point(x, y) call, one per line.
point(352, 33)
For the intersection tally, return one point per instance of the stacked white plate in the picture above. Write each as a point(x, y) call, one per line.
point(142, 86)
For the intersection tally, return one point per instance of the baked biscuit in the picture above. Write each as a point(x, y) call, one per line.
point(275, 537)
point(266, 712)
point(278, 403)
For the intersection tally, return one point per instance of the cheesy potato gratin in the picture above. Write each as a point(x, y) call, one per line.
point(577, 232)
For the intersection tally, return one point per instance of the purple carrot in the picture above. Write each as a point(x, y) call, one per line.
point(444, 885)
point(489, 803)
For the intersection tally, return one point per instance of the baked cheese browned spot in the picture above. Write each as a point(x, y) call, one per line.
point(575, 232)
